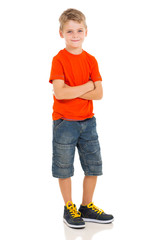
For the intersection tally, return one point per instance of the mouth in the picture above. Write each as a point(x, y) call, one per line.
point(75, 40)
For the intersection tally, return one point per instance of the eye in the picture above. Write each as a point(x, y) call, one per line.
point(80, 30)
point(69, 31)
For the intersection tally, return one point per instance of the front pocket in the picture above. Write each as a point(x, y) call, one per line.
point(58, 122)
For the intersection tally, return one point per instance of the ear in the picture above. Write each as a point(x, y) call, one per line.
point(86, 32)
point(61, 33)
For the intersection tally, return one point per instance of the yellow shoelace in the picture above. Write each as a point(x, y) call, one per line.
point(73, 210)
point(96, 209)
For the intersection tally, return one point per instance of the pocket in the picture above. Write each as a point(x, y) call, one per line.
point(57, 123)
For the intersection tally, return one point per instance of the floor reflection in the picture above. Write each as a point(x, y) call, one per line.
point(87, 233)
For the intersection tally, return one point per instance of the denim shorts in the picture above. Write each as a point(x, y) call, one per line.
point(70, 134)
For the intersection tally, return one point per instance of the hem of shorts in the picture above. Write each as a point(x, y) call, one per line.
point(56, 176)
point(93, 174)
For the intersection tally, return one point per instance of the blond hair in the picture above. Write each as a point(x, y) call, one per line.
point(72, 14)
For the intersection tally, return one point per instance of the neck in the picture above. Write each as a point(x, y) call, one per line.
point(75, 51)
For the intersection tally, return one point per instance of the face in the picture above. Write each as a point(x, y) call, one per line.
point(74, 34)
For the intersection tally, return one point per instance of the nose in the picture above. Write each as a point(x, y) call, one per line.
point(75, 34)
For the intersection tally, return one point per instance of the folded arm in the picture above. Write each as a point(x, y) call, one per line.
point(95, 94)
point(63, 91)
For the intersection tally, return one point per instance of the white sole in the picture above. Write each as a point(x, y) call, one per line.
point(73, 226)
point(98, 221)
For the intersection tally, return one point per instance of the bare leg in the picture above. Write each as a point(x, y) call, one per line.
point(65, 187)
point(89, 184)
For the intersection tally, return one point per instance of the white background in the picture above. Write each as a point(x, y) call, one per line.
point(124, 36)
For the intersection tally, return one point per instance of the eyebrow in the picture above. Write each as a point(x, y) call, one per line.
point(73, 29)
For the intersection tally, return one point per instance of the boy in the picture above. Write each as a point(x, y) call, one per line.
point(76, 82)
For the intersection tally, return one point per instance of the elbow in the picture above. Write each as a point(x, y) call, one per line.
point(58, 96)
point(99, 95)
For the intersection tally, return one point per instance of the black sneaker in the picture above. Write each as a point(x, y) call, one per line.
point(91, 213)
point(72, 217)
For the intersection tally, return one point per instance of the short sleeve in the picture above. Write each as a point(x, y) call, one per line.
point(56, 70)
point(95, 74)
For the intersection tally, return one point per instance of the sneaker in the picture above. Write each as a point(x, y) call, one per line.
point(72, 217)
point(91, 213)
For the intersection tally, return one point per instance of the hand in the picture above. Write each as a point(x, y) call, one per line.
point(91, 85)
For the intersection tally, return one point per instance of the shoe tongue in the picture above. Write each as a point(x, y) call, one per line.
point(90, 204)
point(69, 204)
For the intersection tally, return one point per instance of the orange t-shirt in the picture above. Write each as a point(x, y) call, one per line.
point(75, 70)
